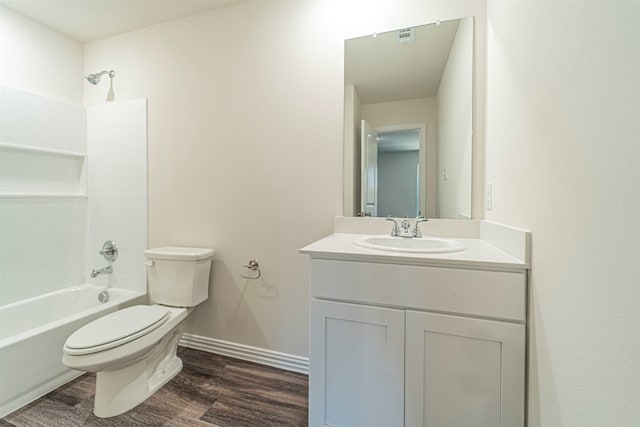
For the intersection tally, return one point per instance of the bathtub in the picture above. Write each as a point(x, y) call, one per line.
point(33, 331)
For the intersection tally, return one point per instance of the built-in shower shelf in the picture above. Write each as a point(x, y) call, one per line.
point(32, 171)
point(42, 150)
point(41, 195)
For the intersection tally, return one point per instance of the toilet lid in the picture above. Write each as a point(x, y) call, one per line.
point(116, 328)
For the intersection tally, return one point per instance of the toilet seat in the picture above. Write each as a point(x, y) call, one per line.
point(115, 329)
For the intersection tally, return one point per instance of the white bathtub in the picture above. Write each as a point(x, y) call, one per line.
point(33, 331)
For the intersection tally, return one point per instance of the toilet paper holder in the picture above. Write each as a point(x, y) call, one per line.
point(255, 268)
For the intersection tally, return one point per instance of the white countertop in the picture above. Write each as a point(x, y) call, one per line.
point(479, 254)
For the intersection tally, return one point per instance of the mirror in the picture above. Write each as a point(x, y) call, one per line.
point(408, 122)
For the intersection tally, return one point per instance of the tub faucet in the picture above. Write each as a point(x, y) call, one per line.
point(106, 270)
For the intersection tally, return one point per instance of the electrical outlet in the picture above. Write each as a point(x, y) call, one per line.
point(488, 196)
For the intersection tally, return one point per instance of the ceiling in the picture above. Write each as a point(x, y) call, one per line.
point(88, 20)
point(383, 69)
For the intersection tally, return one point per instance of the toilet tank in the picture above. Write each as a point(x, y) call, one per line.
point(178, 276)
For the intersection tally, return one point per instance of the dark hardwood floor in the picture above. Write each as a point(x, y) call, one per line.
point(211, 390)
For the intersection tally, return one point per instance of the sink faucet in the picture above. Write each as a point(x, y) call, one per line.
point(405, 229)
point(106, 270)
point(416, 231)
point(394, 231)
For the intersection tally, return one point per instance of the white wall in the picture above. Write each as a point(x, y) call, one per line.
point(42, 195)
point(41, 75)
point(49, 228)
point(563, 155)
point(245, 143)
point(41, 106)
point(455, 127)
point(39, 60)
point(117, 184)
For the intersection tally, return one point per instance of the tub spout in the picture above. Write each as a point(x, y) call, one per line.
point(106, 270)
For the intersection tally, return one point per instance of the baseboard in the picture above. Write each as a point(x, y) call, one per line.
point(262, 356)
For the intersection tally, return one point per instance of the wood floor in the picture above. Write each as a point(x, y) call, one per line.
point(211, 390)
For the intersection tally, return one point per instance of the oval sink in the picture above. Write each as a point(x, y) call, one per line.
point(410, 244)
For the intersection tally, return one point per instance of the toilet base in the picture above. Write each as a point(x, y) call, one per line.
point(123, 389)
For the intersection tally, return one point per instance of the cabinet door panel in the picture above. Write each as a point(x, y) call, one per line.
point(463, 372)
point(356, 373)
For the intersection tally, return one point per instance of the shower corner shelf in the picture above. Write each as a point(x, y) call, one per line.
point(17, 147)
point(42, 195)
point(39, 172)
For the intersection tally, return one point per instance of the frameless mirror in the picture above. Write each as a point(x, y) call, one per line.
point(408, 122)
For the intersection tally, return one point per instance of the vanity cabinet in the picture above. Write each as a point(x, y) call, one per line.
point(416, 345)
point(463, 371)
point(357, 364)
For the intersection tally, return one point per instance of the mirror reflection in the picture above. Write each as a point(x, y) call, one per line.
point(408, 122)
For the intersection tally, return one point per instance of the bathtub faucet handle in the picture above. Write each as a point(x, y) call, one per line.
point(109, 251)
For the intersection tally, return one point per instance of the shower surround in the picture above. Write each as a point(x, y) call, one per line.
point(70, 179)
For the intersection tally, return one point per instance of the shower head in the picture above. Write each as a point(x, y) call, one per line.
point(94, 79)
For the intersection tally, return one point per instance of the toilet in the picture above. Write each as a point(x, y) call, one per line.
point(133, 350)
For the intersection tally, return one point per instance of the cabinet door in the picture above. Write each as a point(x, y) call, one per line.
point(356, 373)
point(463, 372)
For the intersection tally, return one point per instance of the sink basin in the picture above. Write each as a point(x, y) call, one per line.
point(423, 245)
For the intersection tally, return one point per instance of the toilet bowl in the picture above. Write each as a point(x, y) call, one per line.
point(133, 351)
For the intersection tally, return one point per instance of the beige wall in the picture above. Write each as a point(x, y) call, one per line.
point(245, 143)
point(563, 155)
point(242, 157)
point(39, 60)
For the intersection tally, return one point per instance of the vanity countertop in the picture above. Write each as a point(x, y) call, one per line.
point(479, 254)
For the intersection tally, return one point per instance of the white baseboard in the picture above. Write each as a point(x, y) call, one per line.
point(262, 356)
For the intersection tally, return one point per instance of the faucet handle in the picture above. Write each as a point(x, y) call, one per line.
point(395, 231)
point(109, 251)
point(417, 232)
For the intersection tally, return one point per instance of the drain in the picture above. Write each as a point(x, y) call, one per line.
point(103, 296)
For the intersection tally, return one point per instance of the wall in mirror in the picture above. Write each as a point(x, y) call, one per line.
point(409, 122)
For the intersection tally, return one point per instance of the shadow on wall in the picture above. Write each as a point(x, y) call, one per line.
point(539, 369)
point(226, 314)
